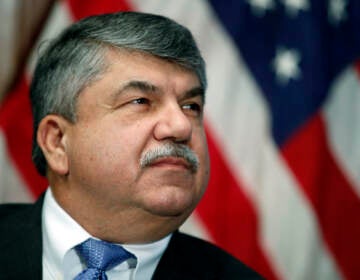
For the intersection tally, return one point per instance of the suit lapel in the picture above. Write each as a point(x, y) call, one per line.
point(178, 261)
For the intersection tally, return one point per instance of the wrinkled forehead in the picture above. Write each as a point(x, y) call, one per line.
point(114, 55)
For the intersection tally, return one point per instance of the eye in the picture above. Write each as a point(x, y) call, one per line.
point(195, 108)
point(140, 101)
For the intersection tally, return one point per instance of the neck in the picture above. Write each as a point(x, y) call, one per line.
point(124, 225)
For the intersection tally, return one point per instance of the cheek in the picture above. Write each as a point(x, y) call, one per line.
point(201, 150)
point(95, 152)
point(205, 168)
point(200, 146)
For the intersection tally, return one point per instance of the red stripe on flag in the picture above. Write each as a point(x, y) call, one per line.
point(229, 215)
point(81, 9)
point(16, 123)
point(357, 68)
point(333, 199)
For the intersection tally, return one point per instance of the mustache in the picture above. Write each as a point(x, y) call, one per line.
point(171, 150)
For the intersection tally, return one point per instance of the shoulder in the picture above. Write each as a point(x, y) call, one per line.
point(14, 215)
point(13, 212)
point(204, 260)
point(19, 221)
point(20, 215)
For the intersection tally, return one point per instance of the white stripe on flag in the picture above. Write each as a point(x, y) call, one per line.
point(288, 222)
point(342, 116)
point(12, 188)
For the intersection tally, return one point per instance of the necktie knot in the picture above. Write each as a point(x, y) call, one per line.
point(100, 256)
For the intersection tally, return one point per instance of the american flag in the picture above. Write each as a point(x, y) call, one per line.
point(283, 126)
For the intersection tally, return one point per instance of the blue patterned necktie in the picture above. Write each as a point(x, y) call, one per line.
point(100, 256)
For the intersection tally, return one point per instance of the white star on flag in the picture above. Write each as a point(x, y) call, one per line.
point(337, 11)
point(286, 65)
point(294, 6)
point(259, 7)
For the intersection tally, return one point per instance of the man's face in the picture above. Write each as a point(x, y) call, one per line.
point(140, 104)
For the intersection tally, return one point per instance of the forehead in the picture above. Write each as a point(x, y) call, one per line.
point(130, 64)
point(125, 68)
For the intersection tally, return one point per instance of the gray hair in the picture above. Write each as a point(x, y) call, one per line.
point(77, 57)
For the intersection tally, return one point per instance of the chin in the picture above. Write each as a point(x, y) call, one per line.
point(174, 205)
point(169, 211)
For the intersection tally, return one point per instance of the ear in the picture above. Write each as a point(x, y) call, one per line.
point(51, 137)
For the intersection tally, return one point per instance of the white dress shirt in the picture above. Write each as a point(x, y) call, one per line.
point(60, 260)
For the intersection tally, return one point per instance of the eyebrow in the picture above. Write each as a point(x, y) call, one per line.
point(147, 87)
point(133, 84)
point(194, 92)
point(141, 85)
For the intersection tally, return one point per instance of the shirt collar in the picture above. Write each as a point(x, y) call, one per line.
point(61, 233)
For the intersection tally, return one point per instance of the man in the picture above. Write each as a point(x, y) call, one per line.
point(118, 105)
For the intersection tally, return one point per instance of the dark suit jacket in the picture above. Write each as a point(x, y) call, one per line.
point(185, 258)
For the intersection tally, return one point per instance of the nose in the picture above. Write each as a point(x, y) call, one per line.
point(173, 124)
